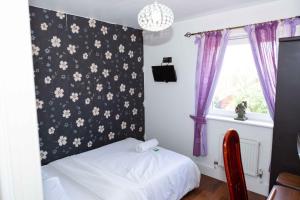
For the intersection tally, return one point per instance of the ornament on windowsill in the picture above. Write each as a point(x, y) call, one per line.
point(240, 110)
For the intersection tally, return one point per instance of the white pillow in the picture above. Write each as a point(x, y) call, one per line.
point(53, 190)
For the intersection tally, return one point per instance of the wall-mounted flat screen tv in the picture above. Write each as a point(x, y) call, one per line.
point(165, 73)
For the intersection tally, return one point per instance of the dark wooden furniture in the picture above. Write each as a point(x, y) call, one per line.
point(283, 193)
point(288, 188)
point(287, 110)
point(289, 180)
point(233, 166)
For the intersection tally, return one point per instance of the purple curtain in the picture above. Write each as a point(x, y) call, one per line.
point(211, 49)
point(264, 43)
point(263, 40)
point(291, 25)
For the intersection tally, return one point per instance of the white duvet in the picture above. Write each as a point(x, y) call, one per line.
point(118, 172)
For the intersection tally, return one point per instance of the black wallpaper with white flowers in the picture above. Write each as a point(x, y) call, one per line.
point(89, 82)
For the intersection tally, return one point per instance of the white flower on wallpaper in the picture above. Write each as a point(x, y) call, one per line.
point(72, 49)
point(62, 140)
point(99, 87)
point(108, 55)
point(96, 111)
point(66, 113)
point(94, 68)
point(87, 101)
point(117, 117)
point(125, 28)
point(63, 65)
point(85, 56)
point(115, 37)
point(132, 127)
point(122, 87)
point(90, 144)
point(140, 129)
point(133, 75)
point(105, 73)
point(47, 80)
point(140, 95)
point(43, 154)
point(60, 15)
point(107, 114)
point(125, 66)
point(116, 78)
point(44, 26)
point(75, 28)
point(74, 96)
point(92, 23)
point(104, 30)
point(101, 129)
point(121, 48)
point(59, 92)
point(111, 135)
point(134, 111)
point(109, 96)
point(131, 91)
point(51, 130)
point(35, 50)
point(97, 44)
point(133, 38)
point(77, 142)
point(77, 76)
point(55, 41)
point(79, 122)
point(39, 104)
point(123, 125)
point(126, 104)
point(130, 53)
point(139, 59)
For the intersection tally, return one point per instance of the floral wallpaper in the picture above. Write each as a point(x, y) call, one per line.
point(89, 83)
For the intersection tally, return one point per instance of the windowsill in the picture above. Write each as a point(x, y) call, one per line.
point(251, 122)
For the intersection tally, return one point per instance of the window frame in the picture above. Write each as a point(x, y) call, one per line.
point(236, 36)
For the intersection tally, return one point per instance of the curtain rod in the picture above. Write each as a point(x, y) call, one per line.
point(188, 34)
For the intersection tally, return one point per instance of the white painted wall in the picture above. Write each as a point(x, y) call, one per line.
point(20, 169)
point(168, 106)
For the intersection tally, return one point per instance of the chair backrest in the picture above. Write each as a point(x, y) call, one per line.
point(233, 166)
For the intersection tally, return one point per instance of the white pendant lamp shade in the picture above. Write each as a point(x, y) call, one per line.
point(155, 17)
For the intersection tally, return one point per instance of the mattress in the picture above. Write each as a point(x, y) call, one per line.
point(118, 172)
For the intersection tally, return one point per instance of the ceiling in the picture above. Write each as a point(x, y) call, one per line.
point(125, 12)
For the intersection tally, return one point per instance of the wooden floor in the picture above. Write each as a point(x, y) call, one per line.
point(215, 190)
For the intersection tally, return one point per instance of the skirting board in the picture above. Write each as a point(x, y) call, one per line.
point(219, 174)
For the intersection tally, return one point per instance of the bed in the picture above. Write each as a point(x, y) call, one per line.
point(118, 172)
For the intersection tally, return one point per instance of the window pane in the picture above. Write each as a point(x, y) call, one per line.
point(238, 80)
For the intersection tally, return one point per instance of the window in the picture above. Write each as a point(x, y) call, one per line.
point(238, 81)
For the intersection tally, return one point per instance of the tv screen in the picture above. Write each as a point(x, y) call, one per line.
point(165, 73)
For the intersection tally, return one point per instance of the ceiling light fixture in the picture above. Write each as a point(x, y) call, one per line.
point(155, 17)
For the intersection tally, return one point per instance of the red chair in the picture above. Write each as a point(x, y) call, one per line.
point(233, 166)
